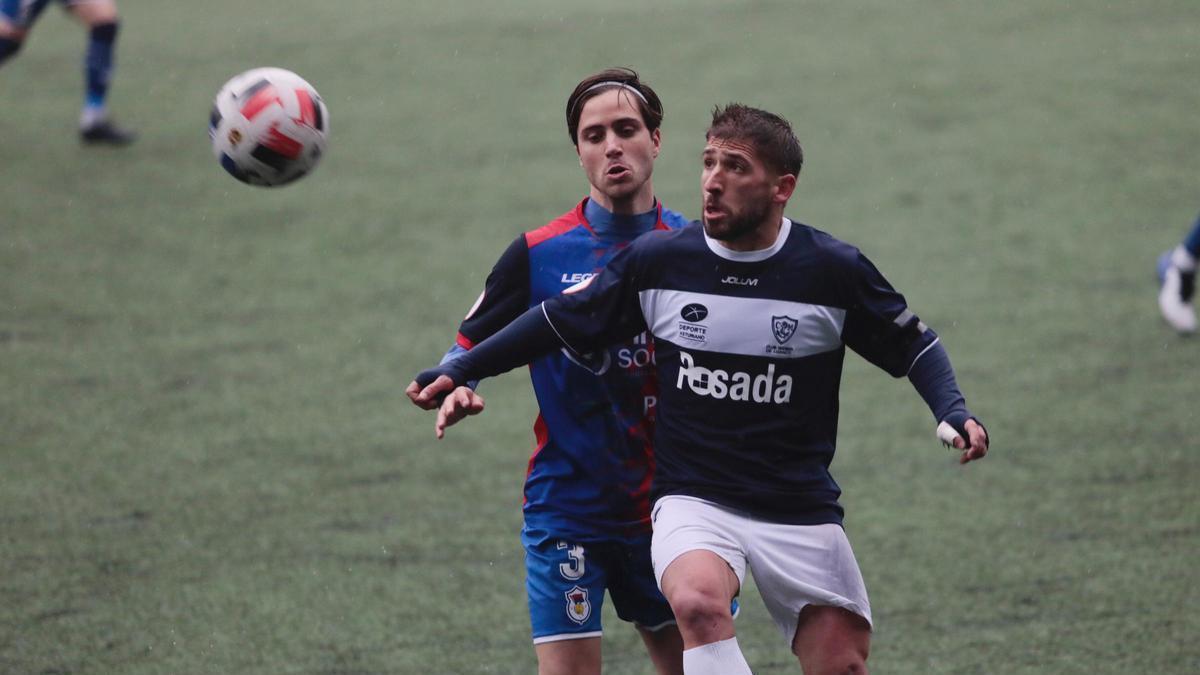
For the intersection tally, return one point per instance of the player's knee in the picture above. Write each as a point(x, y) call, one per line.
point(699, 612)
point(96, 12)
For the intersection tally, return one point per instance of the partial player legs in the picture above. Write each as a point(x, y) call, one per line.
point(11, 38)
point(700, 585)
point(12, 35)
point(831, 641)
point(100, 16)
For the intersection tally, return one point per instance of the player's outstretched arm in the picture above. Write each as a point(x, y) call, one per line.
point(520, 342)
point(933, 378)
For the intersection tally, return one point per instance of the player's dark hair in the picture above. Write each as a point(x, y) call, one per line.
point(648, 103)
point(770, 135)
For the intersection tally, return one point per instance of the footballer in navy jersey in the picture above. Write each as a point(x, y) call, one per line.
point(751, 314)
point(758, 337)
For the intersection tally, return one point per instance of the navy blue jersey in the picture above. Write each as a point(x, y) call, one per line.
point(589, 475)
point(748, 349)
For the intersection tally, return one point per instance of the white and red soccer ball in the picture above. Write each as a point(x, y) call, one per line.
point(268, 127)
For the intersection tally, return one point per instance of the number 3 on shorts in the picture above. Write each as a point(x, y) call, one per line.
point(573, 569)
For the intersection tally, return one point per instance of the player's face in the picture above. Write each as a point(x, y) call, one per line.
point(617, 152)
point(738, 190)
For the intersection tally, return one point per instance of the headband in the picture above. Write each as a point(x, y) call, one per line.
point(609, 83)
point(614, 83)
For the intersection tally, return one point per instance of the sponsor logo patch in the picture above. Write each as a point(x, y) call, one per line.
point(733, 385)
point(577, 277)
point(690, 329)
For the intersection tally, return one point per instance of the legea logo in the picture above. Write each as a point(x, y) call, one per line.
point(735, 385)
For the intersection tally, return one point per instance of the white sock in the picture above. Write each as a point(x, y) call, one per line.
point(1183, 260)
point(92, 116)
point(716, 658)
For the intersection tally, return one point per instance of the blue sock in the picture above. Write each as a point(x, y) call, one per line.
point(1192, 241)
point(8, 47)
point(98, 63)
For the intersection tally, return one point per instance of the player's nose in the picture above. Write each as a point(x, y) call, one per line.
point(711, 183)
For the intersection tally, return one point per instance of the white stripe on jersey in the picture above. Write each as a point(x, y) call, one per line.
point(746, 326)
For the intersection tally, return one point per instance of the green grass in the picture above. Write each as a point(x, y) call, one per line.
point(207, 464)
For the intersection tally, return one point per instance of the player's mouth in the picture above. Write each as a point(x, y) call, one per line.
point(713, 210)
point(618, 172)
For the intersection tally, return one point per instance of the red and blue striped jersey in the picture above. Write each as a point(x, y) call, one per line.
point(590, 472)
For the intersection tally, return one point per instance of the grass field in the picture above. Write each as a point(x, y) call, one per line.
point(207, 464)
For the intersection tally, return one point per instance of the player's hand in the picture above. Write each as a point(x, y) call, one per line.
point(426, 394)
point(461, 402)
point(957, 434)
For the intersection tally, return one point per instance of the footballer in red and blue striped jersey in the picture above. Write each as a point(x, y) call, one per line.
point(588, 481)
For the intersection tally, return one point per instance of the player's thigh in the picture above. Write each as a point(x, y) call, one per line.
point(93, 12)
point(569, 657)
point(797, 566)
point(831, 640)
point(687, 525)
point(565, 588)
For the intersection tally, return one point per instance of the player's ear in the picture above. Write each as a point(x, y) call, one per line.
point(785, 185)
point(656, 139)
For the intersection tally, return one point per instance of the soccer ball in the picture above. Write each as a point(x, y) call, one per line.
point(268, 127)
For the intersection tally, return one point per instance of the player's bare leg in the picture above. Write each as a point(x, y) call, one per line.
point(665, 647)
point(569, 657)
point(700, 586)
point(831, 641)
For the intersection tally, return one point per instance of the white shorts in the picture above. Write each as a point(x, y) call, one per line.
point(793, 565)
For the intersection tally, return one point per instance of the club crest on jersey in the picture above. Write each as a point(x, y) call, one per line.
point(783, 327)
point(579, 608)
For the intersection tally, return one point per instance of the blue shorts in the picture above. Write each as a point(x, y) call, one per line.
point(22, 13)
point(566, 582)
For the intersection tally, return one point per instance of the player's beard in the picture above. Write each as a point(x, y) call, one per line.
point(737, 224)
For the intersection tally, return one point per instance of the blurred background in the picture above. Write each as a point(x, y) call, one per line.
point(207, 463)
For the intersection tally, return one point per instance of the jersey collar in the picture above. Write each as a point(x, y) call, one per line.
point(750, 256)
point(609, 222)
